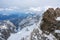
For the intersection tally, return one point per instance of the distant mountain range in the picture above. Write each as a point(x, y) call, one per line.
point(16, 21)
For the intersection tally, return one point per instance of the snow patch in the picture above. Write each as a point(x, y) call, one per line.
point(57, 31)
point(58, 18)
point(49, 37)
point(3, 26)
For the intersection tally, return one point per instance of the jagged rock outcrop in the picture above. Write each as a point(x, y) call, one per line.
point(49, 22)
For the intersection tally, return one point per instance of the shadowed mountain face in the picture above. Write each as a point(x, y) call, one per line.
point(50, 22)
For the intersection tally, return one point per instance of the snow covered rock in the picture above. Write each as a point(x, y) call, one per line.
point(6, 27)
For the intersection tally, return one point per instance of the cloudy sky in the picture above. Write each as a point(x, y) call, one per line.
point(25, 4)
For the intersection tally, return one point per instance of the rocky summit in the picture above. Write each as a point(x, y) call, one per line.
point(51, 22)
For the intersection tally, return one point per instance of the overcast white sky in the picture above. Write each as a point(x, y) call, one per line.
point(24, 4)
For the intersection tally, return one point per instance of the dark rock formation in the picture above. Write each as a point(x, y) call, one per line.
point(49, 22)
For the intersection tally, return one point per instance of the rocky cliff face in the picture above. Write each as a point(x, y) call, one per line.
point(49, 22)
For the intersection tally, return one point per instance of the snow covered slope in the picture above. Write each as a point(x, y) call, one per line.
point(25, 33)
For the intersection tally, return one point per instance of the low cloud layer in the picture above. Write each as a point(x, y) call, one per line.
point(22, 5)
point(9, 9)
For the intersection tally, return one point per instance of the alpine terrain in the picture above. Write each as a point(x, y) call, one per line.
point(39, 25)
